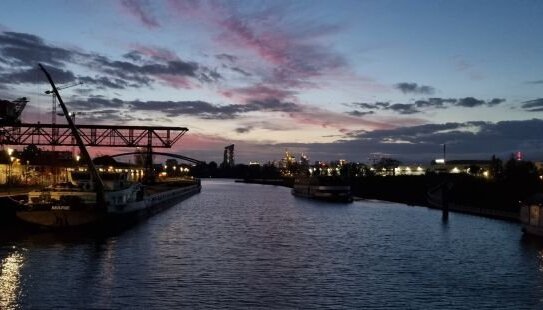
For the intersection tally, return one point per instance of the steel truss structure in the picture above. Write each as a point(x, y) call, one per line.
point(92, 135)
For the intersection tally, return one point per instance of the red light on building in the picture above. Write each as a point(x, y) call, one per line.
point(518, 156)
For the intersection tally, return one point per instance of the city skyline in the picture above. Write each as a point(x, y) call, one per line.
point(333, 80)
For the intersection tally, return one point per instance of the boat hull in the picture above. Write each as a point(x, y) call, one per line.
point(329, 198)
point(331, 193)
point(61, 218)
point(65, 217)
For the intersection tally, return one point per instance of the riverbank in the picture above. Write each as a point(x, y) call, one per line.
point(468, 195)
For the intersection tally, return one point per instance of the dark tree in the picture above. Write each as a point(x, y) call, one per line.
point(30, 154)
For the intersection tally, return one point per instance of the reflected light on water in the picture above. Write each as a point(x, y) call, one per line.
point(10, 276)
point(540, 260)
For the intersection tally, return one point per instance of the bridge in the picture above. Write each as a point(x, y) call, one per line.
point(192, 160)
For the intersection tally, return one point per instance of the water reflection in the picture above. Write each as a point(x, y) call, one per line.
point(246, 247)
point(540, 260)
point(10, 280)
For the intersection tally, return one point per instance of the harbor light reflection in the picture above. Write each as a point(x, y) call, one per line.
point(10, 280)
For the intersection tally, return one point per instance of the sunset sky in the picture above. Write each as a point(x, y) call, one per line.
point(334, 79)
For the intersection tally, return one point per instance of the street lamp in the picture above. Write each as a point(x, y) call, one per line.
point(11, 159)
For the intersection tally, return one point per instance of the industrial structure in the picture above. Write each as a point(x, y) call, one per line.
point(228, 158)
point(10, 111)
point(14, 132)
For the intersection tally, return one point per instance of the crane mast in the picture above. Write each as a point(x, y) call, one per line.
point(98, 183)
point(54, 107)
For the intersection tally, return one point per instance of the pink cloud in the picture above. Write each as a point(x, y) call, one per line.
point(257, 92)
point(175, 81)
point(292, 51)
point(158, 53)
point(139, 9)
point(294, 58)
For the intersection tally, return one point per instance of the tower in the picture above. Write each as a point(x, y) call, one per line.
point(228, 158)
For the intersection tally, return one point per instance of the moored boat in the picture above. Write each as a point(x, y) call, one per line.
point(531, 215)
point(326, 188)
point(74, 203)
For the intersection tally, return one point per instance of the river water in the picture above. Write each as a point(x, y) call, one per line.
point(247, 246)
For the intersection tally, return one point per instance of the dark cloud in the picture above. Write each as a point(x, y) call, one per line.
point(535, 105)
point(360, 113)
point(35, 76)
point(94, 103)
point(126, 69)
point(414, 88)
point(141, 74)
point(370, 106)
point(108, 116)
point(535, 82)
point(421, 105)
point(470, 140)
point(239, 70)
point(176, 108)
point(21, 52)
point(438, 103)
point(102, 82)
point(134, 56)
point(227, 57)
point(495, 101)
point(21, 49)
point(244, 129)
point(270, 104)
point(196, 108)
point(403, 108)
point(269, 125)
point(469, 102)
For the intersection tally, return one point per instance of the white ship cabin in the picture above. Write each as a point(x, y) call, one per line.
point(113, 181)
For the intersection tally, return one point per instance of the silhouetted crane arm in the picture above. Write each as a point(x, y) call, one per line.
point(98, 184)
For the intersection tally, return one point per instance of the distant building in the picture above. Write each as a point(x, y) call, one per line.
point(410, 170)
point(475, 167)
point(228, 157)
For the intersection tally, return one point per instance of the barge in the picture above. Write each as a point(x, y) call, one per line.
point(325, 188)
point(74, 203)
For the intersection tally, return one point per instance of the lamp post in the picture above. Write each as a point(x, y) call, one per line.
point(11, 159)
point(27, 170)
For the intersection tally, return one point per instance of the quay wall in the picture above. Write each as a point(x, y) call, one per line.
point(468, 195)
